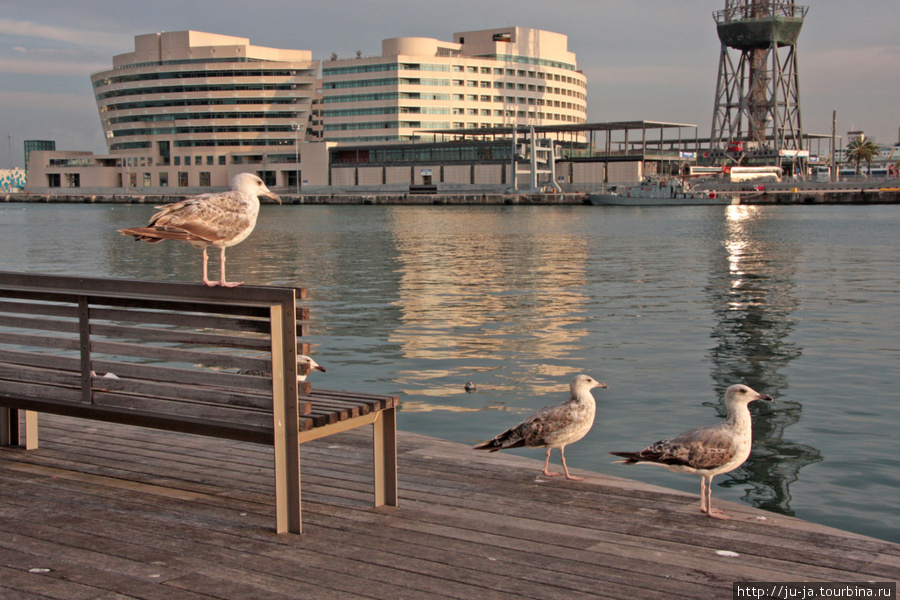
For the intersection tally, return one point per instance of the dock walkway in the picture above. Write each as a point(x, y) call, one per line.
point(111, 512)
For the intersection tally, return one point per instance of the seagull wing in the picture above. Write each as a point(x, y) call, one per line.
point(210, 217)
point(705, 448)
point(533, 431)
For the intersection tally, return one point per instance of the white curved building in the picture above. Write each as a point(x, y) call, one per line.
point(488, 78)
point(186, 105)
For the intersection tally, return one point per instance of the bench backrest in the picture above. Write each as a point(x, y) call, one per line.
point(187, 357)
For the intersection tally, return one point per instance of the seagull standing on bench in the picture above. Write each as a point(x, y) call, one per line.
point(220, 219)
point(554, 426)
point(707, 451)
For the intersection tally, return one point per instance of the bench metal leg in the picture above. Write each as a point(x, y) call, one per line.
point(385, 447)
point(9, 426)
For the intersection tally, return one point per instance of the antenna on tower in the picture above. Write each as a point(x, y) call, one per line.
point(757, 111)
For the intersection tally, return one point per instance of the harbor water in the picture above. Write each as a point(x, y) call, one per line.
point(667, 306)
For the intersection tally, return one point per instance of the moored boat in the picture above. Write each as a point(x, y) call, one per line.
point(667, 191)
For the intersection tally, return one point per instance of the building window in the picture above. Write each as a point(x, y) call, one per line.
point(209, 160)
point(163, 180)
point(177, 162)
point(53, 180)
point(182, 179)
point(222, 160)
point(146, 182)
point(204, 178)
point(187, 161)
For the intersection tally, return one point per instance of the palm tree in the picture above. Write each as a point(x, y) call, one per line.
point(860, 149)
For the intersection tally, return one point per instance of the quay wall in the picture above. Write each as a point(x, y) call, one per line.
point(773, 196)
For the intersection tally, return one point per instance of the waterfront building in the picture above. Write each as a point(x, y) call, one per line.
point(32, 145)
point(189, 109)
point(483, 79)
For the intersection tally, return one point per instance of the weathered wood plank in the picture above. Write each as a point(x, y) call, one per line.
point(468, 528)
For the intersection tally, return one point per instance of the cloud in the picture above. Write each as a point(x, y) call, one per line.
point(50, 67)
point(76, 37)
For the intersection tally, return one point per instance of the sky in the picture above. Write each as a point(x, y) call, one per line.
point(653, 60)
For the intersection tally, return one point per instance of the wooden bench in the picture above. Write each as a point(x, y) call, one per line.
point(175, 356)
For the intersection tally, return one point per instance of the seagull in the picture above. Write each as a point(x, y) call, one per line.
point(553, 426)
point(219, 219)
point(302, 359)
point(707, 451)
point(313, 366)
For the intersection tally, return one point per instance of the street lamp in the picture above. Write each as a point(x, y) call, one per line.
point(296, 127)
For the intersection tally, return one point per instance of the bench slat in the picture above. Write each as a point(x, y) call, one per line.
point(176, 407)
point(39, 324)
point(47, 394)
point(192, 320)
point(181, 336)
point(35, 359)
point(49, 309)
point(179, 355)
point(39, 341)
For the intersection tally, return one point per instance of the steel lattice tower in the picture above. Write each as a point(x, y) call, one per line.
point(757, 112)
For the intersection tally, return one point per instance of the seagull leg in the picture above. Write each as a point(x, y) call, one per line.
point(547, 471)
point(706, 501)
point(206, 280)
point(562, 458)
point(222, 281)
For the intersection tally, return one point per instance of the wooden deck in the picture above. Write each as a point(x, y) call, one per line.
point(110, 512)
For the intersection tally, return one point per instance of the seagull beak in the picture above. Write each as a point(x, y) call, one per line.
point(764, 397)
point(271, 195)
point(319, 368)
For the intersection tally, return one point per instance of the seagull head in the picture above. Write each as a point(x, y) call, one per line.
point(311, 366)
point(743, 394)
point(583, 383)
point(252, 184)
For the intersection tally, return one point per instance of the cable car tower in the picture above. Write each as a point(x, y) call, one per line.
point(757, 112)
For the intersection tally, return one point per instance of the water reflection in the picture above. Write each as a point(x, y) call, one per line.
point(479, 298)
point(751, 290)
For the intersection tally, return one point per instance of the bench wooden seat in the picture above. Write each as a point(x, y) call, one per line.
point(176, 357)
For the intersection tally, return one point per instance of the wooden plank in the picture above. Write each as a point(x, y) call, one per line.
point(26, 285)
point(246, 341)
point(40, 341)
point(38, 375)
point(209, 358)
point(49, 309)
point(39, 324)
point(137, 389)
point(186, 377)
point(34, 359)
point(38, 392)
point(286, 421)
point(187, 318)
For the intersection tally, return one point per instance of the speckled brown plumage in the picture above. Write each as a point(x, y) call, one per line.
point(220, 219)
point(707, 451)
point(553, 426)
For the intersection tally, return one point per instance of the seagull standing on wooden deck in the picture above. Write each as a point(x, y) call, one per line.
point(220, 219)
point(554, 426)
point(707, 451)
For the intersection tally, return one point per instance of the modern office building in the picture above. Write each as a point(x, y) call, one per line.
point(483, 79)
point(189, 109)
point(31, 145)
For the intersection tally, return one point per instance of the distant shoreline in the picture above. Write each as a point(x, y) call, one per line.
point(883, 195)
